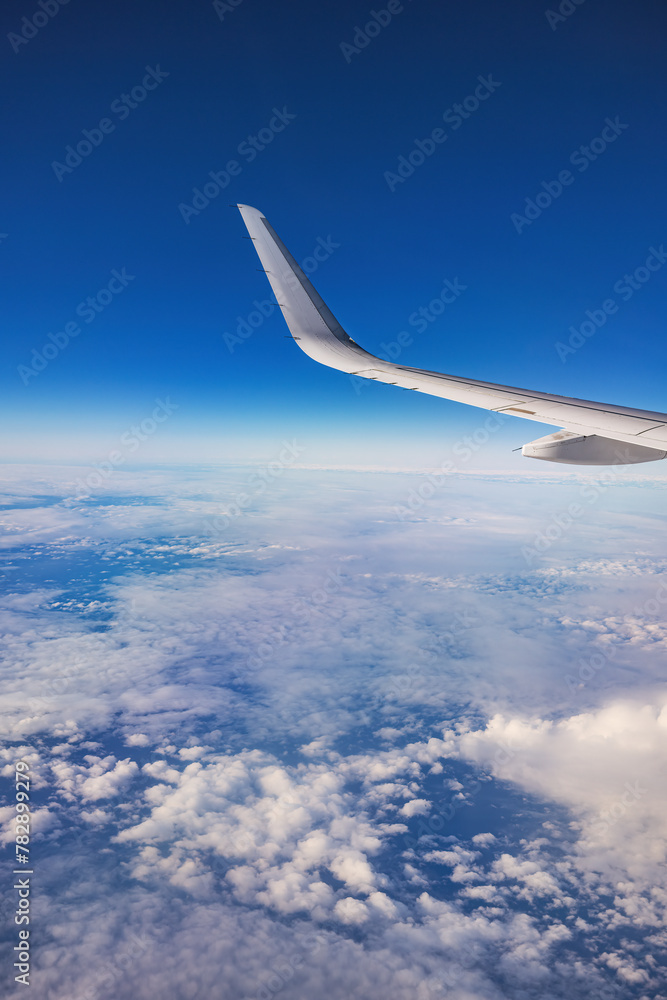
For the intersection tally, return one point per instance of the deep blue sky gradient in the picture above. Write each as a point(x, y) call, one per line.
point(323, 176)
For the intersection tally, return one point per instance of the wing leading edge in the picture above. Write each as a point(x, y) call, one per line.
point(591, 433)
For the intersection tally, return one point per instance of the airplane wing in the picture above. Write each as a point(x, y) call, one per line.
point(591, 433)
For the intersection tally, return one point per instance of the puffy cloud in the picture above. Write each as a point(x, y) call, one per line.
point(454, 857)
point(137, 740)
point(487, 893)
point(389, 733)
point(351, 911)
point(328, 676)
point(275, 827)
point(108, 784)
point(484, 839)
point(99, 778)
point(624, 969)
point(607, 768)
point(383, 904)
point(536, 881)
point(416, 807)
point(352, 868)
point(41, 819)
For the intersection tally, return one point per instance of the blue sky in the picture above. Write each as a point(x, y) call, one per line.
point(403, 732)
point(218, 76)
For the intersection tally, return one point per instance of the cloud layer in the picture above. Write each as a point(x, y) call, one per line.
point(389, 753)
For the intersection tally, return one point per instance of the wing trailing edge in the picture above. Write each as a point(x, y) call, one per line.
point(591, 433)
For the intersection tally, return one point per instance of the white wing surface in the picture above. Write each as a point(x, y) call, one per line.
point(591, 433)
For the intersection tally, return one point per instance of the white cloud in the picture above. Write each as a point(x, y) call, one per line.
point(607, 767)
point(41, 820)
point(254, 836)
point(389, 733)
point(484, 839)
point(137, 740)
point(454, 857)
point(108, 784)
point(352, 868)
point(351, 911)
point(277, 826)
point(100, 778)
point(416, 807)
point(193, 753)
point(536, 881)
point(625, 970)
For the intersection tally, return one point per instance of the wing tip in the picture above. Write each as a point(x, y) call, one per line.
point(250, 210)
